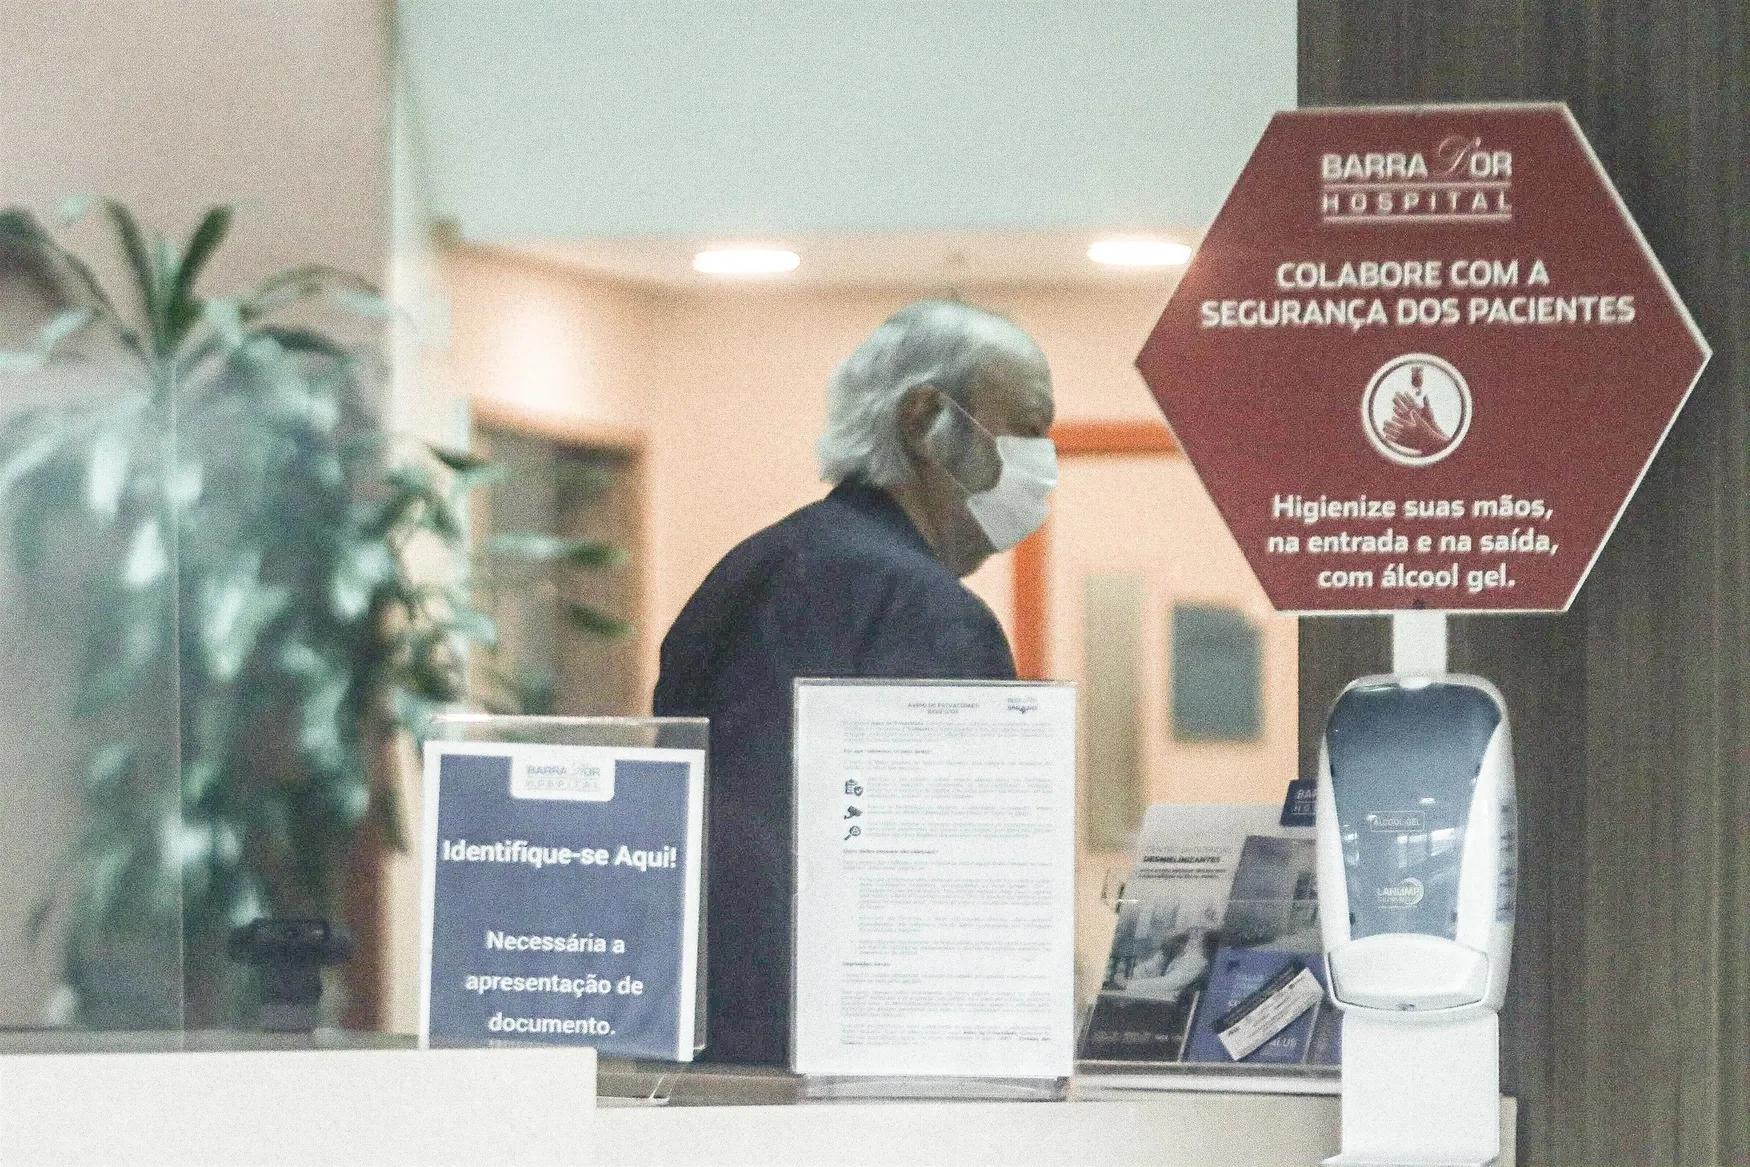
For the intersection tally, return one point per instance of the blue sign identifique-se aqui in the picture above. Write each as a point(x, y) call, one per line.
point(562, 892)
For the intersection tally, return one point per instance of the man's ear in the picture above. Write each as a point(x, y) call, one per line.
point(918, 411)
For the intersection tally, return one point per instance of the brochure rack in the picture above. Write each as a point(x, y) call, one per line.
point(1214, 979)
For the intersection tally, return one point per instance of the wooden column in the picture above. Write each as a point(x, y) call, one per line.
point(1626, 1034)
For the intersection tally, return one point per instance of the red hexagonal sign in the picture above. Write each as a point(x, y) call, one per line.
point(1422, 359)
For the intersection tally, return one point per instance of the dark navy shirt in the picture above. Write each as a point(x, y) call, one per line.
point(845, 587)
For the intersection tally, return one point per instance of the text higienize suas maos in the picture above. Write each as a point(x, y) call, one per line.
point(1524, 538)
point(1312, 510)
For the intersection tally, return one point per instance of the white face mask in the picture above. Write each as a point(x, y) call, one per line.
point(1014, 506)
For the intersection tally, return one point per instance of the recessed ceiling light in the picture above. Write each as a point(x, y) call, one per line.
point(745, 261)
point(1138, 252)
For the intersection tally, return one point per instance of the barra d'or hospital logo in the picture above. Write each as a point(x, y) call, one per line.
point(1460, 180)
point(1416, 409)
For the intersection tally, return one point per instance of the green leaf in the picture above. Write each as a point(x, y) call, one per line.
point(365, 444)
point(228, 841)
point(433, 670)
point(397, 510)
point(468, 481)
point(45, 487)
point(472, 470)
point(432, 688)
point(300, 283)
point(164, 267)
point(145, 278)
point(413, 502)
point(458, 460)
point(72, 208)
point(44, 438)
point(287, 389)
point(107, 475)
point(413, 711)
point(352, 800)
point(21, 228)
point(109, 766)
point(305, 340)
point(48, 338)
point(531, 689)
point(361, 569)
point(533, 547)
point(319, 734)
point(24, 230)
point(364, 303)
point(102, 881)
point(410, 479)
point(201, 245)
point(473, 624)
point(596, 623)
point(198, 778)
point(64, 324)
point(299, 660)
point(225, 318)
point(182, 488)
point(440, 519)
point(235, 608)
point(39, 916)
point(126, 645)
point(147, 558)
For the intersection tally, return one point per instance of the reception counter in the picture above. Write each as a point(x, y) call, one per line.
point(1168, 1130)
point(142, 1103)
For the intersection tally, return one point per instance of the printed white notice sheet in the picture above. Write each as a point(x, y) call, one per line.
point(935, 879)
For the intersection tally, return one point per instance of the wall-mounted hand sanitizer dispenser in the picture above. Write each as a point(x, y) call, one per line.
point(1417, 844)
point(1417, 837)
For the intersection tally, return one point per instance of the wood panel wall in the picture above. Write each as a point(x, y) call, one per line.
point(1625, 1035)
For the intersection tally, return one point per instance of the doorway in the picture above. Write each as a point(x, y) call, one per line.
point(569, 634)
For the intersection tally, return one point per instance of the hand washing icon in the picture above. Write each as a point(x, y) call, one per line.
point(1416, 409)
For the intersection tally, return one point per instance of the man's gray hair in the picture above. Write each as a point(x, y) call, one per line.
point(931, 342)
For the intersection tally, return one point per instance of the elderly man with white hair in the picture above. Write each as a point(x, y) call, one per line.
point(936, 440)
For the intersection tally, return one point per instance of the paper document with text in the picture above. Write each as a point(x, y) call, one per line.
point(935, 890)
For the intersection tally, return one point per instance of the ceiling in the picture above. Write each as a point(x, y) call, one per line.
point(943, 142)
point(941, 261)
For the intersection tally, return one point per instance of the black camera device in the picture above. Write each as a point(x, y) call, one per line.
point(289, 954)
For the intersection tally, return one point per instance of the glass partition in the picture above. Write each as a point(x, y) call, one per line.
point(216, 629)
point(95, 847)
point(239, 569)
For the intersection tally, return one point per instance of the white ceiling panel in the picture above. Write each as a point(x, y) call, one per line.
point(551, 120)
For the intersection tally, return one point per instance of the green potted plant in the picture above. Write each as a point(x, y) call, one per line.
point(217, 511)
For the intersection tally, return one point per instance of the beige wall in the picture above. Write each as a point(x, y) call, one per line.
point(281, 108)
point(1149, 518)
point(546, 341)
